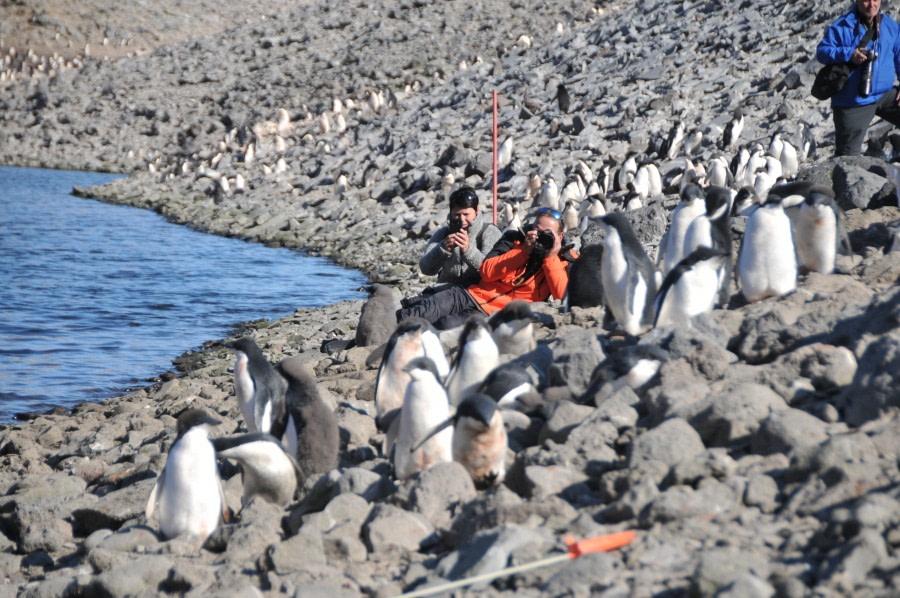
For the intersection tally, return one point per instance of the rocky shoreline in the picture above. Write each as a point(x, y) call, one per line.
point(761, 461)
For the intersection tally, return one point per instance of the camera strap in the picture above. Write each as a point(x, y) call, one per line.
point(871, 32)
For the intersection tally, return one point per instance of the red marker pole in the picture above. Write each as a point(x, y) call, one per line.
point(495, 157)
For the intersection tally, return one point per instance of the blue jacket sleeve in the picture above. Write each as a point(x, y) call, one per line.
point(838, 44)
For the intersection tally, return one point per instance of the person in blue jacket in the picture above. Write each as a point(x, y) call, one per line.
point(853, 107)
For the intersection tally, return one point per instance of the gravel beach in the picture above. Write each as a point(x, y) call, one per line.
point(761, 460)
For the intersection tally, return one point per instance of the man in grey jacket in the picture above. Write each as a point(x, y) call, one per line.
point(456, 250)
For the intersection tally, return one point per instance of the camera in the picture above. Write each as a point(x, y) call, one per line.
point(455, 224)
point(544, 242)
point(865, 83)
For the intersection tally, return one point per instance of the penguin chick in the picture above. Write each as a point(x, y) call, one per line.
point(585, 287)
point(477, 356)
point(188, 489)
point(692, 287)
point(425, 405)
point(258, 388)
point(376, 319)
point(479, 440)
point(267, 470)
point(629, 278)
point(318, 437)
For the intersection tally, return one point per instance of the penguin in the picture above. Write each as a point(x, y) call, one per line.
point(479, 440)
point(564, 102)
point(675, 140)
point(790, 160)
point(504, 154)
point(267, 470)
point(549, 195)
point(258, 388)
point(713, 229)
point(766, 265)
point(629, 278)
point(585, 287)
point(511, 386)
point(692, 287)
point(745, 202)
point(584, 171)
point(513, 328)
point(603, 180)
point(740, 164)
point(477, 356)
point(318, 438)
point(818, 224)
point(768, 177)
point(425, 406)
point(640, 185)
point(376, 318)
point(733, 129)
point(591, 208)
point(570, 215)
point(413, 337)
point(806, 143)
point(691, 205)
point(718, 173)
point(776, 145)
point(188, 489)
point(626, 172)
point(513, 221)
point(692, 174)
point(633, 366)
point(692, 142)
point(574, 190)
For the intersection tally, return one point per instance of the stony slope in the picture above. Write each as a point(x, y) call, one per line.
point(761, 461)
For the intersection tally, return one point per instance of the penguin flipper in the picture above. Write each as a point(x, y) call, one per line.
point(843, 239)
point(390, 438)
point(226, 512)
point(661, 248)
point(157, 490)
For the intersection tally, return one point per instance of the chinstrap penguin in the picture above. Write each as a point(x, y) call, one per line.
point(692, 287)
point(267, 470)
point(629, 278)
point(476, 357)
point(258, 388)
point(425, 406)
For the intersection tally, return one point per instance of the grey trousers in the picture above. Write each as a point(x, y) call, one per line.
point(851, 124)
point(446, 307)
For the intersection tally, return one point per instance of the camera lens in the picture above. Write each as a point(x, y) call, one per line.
point(545, 240)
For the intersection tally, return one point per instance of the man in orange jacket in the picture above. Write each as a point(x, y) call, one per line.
point(530, 267)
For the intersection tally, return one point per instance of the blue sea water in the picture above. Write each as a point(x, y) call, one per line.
point(96, 299)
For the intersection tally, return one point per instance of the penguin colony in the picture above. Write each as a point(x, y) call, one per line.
point(432, 410)
point(791, 227)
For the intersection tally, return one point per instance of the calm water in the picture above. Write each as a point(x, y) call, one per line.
point(96, 299)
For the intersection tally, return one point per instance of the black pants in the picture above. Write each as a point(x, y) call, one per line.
point(851, 124)
point(446, 307)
